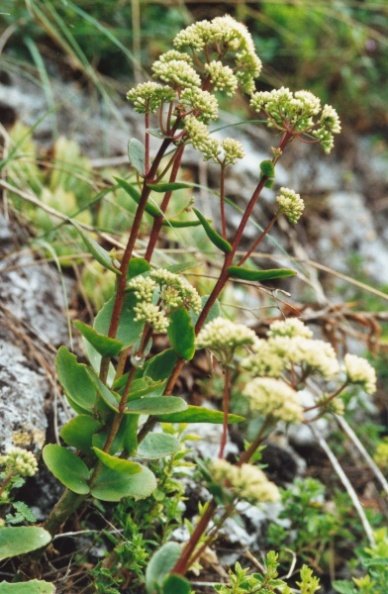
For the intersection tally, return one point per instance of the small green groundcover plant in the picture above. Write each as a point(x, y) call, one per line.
point(118, 445)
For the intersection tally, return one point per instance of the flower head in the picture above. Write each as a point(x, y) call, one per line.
point(270, 396)
point(152, 315)
point(298, 113)
point(176, 291)
point(313, 356)
point(290, 204)
point(245, 481)
point(148, 97)
point(177, 73)
point(224, 337)
point(230, 151)
point(20, 462)
point(360, 372)
point(203, 104)
point(221, 77)
point(199, 136)
point(290, 328)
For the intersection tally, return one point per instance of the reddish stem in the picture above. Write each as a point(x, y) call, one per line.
point(225, 403)
point(181, 566)
point(258, 241)
point(158, 221)
point(222, 201)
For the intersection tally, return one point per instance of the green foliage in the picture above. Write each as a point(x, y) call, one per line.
point(30, 587)
point(181, 333)
point(20, 540)
point(373, 564)
point(253, 274)
point(216, 239)
point(313, 524)
point(241, 581)
point(70, 470)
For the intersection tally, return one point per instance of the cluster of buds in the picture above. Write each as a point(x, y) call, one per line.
point(19, 462)
point(246, 481)
point(158, 294)
point(298, 113)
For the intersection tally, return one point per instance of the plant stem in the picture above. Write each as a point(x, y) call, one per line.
point(258, 241)
point(158, 221)
point(66, 505)
point(122, 279)
point(182, 564)
point(222, 201)
point(225, 403)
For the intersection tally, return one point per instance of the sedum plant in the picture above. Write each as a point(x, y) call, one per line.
point(125, 390)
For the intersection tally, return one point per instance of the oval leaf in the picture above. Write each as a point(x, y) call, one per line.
point(75, 379)
point(21, 540)
point(176, 584)
point(137, 266)
point(78, 432)
point(212, 234)
point(70, 470)
point(119, 465)
point(107, 347)
point(113, 486)
point(129, 330)
point(136, 155)
point(181, 333)
point(199, 414)
point(161, 365)
point(254, 274)
point(158, 405)
point(110, 398)
point(96, 250)
point(30, 587)
point(160, 565)
point(157, 445)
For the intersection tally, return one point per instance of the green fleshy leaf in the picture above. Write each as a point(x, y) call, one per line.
point(113, 486)
point(180, 224)
point(254, 274)
point(181, 333)
point(110, 398)
point(129, 330)
point(119, 465)
point(176, 584)
point(150, 208)
point(267, 168)
point(105, 346)
point(213, 235)
point(169, 187)
point(78, 432)
point(157, 445)
point(199, 414)
point(21, 540)
point(101, 255)
point(70, 470)
point(161, 365)
point(75, 380)
point(137, 266)
point(144, 386)
point(30, 587)
point(160, 565)
point(158, 405)
point(136, 155)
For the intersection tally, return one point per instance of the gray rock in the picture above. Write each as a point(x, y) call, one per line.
point(32, 322)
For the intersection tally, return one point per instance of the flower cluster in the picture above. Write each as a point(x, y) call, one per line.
point(202, 103)
point(289, 328)
point(360, 372)
point(274, 397)
point(290, 204)
point(245, 481)
point(298, 113)
point(19, 462)
point(224, 35)
point(221, 77)
point(149, 96)
point(225, 152)
point(224, 338)
point(177, 73)
point(172, 290)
